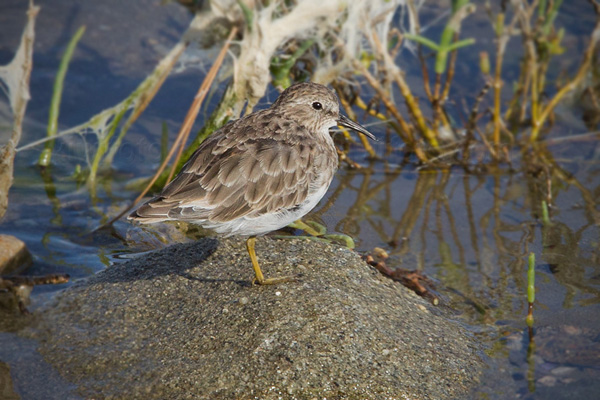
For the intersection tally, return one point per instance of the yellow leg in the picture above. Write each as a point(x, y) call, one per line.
point(260, 279)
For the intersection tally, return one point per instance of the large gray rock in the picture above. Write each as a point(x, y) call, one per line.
point(185, 323)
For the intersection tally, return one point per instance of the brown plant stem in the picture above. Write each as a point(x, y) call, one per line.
point(188, 122)
point(410, 100)
point(449, 74)
point(406, 132)
point(184, 130)
point(471, 124)
point(502, 40)
point(363, 139)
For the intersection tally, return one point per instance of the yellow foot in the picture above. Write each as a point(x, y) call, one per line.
point(272, 281)
point(260, 279)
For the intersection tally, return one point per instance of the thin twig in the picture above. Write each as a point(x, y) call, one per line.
point(409, 99)
point(407, 132)
point(502, 41)
point(185, 128)
point(363, 139)
point(200, 96)
point(449, 74)
point(473, 120)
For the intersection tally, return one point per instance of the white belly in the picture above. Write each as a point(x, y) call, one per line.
point(248, 226)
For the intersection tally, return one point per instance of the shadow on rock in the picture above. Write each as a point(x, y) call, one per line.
point(177, 259)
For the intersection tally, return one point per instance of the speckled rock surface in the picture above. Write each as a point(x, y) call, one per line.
point(185, 323)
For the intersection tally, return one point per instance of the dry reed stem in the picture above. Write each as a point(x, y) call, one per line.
point(405, 131)
point(502, 41)
point(449, 74)
point(185, 128)
point(487, 144)
point(436, 100)
point(188, 122)
point(199, 99)
point(472, 123)
point(414, 16)
point(436, 88)
point(361, 104)
point(525, 14)
point(411, 102)
point(504, 33)
point(524, 91)
point(19, 280)
point(363, 139)
point(425, 73)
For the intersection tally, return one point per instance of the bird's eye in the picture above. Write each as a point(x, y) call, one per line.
point(317, 106)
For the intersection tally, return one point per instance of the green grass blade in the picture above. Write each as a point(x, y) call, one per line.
point(422, 40)
point(46, 155)
point(531, 278)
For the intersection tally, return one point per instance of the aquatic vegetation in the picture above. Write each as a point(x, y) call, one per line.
point(355, 46)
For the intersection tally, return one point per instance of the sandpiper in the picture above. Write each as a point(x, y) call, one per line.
point(259, 173)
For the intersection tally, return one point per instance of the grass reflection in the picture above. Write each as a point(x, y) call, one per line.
point(472, 232)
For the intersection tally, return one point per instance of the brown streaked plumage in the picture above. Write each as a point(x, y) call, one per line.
point(259, 173)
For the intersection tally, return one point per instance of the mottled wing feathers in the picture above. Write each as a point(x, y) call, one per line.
point(263, 168)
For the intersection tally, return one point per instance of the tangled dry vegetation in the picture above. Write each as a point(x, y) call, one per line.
point(354, 46)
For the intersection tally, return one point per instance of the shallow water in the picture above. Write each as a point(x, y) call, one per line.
point(470, 233)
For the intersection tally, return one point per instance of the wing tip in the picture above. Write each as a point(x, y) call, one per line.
point(148, 214)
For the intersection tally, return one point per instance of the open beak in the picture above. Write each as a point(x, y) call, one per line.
point(348, 123)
